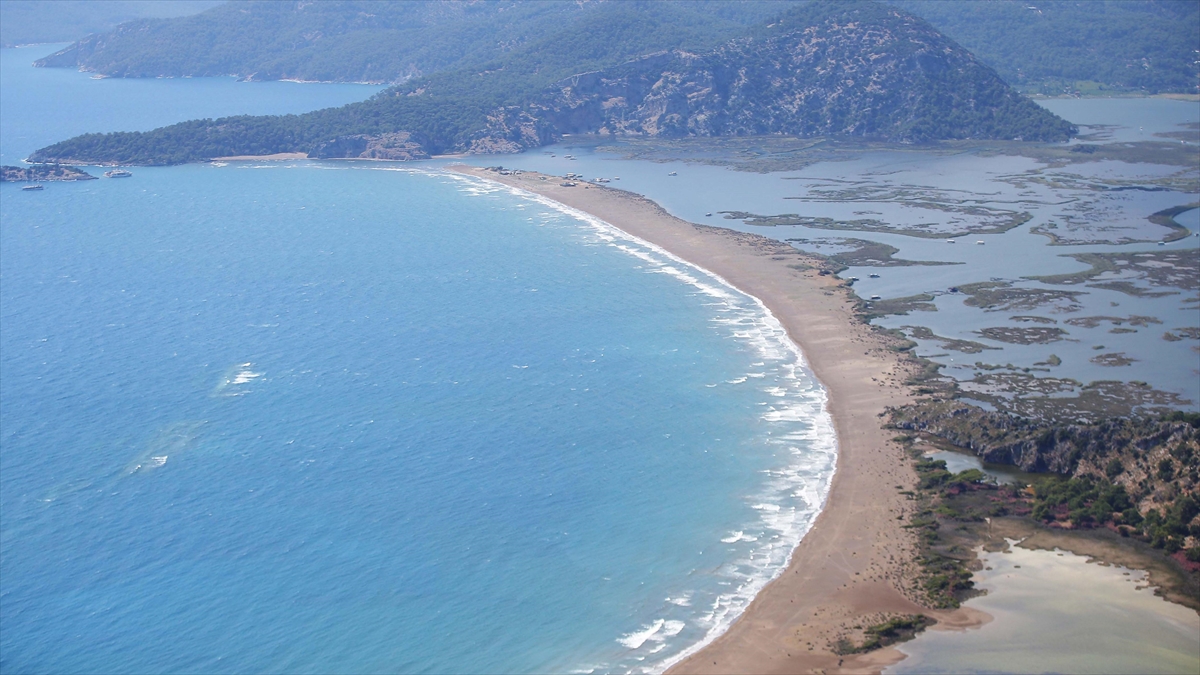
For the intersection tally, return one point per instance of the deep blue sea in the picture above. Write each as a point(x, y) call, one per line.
point(368, 417)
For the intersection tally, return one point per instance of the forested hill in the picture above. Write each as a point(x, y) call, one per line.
point(1052, 46)
point(383, 42)
point(859, 69)
point(1049, 46)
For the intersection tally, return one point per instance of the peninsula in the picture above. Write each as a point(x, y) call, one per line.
point(42, 172)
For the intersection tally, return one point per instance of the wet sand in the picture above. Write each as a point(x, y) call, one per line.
point(853, 566)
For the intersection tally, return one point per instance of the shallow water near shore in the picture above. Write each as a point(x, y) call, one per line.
point(343, 417)
point(1054, 612)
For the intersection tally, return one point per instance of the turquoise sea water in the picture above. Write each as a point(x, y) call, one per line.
point(338, 417)
point(41, 106)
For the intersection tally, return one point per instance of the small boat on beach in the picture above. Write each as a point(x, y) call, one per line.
point(29, 188)
point(117, 173)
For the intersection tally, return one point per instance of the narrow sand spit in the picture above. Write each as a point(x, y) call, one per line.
point(275, 157)
point(852, 566)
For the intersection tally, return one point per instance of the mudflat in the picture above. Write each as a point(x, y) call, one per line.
point(854, 566)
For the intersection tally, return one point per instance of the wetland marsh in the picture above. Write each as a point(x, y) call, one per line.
point(1057, 279)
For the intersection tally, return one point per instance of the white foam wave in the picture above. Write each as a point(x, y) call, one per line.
point(638, 638)
point(245, 375)
point(684, 600)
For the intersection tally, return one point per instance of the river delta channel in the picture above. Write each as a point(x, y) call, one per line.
point(1053, 281)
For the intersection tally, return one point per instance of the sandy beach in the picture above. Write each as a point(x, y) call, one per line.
point(852, 568)
point(276, 156)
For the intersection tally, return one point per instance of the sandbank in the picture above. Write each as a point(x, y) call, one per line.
point(853, 567)
point(276, 156)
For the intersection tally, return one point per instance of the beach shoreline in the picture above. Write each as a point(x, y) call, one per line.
point(279, 156)
point(855, 567)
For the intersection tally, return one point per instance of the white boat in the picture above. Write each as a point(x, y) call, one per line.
point(673, 174)
point(33, 187)
point(117, 173)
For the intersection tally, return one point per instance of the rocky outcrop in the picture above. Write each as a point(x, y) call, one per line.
point(42, 172)
point(509, 130)
point(1039, 447)
point(1153, 457)
point(394, 146)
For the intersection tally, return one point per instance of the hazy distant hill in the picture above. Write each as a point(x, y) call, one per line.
point(1042, 45)
point(1050, 45)
point(372, 40)
point(24, 22)
point(829, 68)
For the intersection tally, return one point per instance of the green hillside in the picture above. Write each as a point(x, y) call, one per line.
point(1048, 46)
point(368, 40)
point(895, 78)
point(1052, 46)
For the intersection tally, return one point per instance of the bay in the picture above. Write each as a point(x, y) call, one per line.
point(351, 417)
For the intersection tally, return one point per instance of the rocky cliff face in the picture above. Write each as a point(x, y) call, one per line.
point(510, 130)
point(866, 70)
point(393, 146)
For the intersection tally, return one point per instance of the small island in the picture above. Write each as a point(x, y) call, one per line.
point(42, 172)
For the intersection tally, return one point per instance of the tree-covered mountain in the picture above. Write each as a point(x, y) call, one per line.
point(1038, 45)
point(375, 41)
point(1053, 45)
point(858, 69)
point(824, 69)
